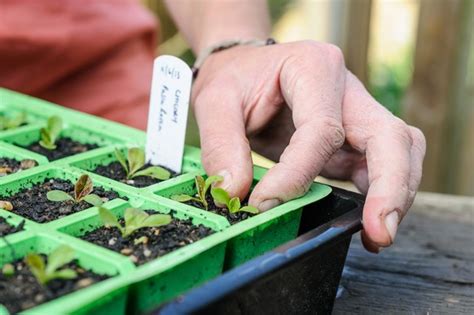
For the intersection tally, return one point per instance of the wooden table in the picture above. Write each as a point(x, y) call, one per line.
point(429, 269)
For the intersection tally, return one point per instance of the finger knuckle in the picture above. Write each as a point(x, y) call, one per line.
point(332, 133)
point(400, 128)
point(419, 139)
point(300, 180)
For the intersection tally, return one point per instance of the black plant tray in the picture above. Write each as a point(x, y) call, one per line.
point(299, 277)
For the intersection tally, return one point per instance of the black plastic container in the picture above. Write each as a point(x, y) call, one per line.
point(299, 277)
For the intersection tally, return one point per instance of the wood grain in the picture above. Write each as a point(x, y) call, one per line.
point(429, 269)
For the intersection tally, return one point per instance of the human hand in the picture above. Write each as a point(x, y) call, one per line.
point(340, 130)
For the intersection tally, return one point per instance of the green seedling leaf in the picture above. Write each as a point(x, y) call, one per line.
point(83, 187)
point(233, 205)
point(64, 274)
point(55, 125)
point(8, 270)
point(7, 123)
point(200, 183)
point(46, 141)
point(154, 172)
point(136, 219)
point(156, 220)
point(136, 160)
point(62, 255)
point(82, 191)
point(122, 160)
point(211, 180)
point(51, 132)
point(109, 219)
point(94, 200)
point(220, 196)
point(37, 267)
point(249, 209)
point(58, 195)
point(182, 198)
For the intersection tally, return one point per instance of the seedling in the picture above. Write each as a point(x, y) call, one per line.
point(134, 219)
point(44, 273)
point(50, 133)
point(8, 270)
point(82, 192)
point(7, 123)
point(202, 186)
point(233, 204)
point(135, 160)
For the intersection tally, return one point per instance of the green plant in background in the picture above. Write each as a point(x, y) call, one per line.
point(45, 272)
point(7, 123)
point(233, 204)
point(134, 219)
point(51, 132)
point(135, 160)
point(202, 186)
point(82, 192)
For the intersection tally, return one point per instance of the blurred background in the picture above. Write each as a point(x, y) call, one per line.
point(415, 56)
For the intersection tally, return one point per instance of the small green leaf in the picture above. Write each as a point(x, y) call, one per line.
point(234, 205)
point(181, 198)
point(134, 217)
point(154, 172)
point(37, 267)
point(54, 126)
point(109, 219)
point(13, 122)
point(121, 159)
point(249, 209)
point(211, 180)
point(58, 195)
point(220, 196)
point(46, 141)
point(8, 270)
point(94, 200)
point(136, 160)
point(83, 187)
point(62, 255)
point(156, 220)
point(200, 183)
point(63, 274)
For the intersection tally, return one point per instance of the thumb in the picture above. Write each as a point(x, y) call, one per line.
point(225, 148)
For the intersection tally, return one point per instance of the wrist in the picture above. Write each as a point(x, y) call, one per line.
point(225, 45)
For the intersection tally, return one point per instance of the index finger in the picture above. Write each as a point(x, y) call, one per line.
point(313, 88)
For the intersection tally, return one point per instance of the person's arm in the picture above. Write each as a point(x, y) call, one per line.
point(207, 22)
point(340, 129)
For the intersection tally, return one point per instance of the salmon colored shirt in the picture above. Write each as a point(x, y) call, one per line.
point(91, 55)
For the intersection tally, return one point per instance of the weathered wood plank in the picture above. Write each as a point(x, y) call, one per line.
point(429, 269)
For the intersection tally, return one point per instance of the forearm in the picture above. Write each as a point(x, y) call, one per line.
point(207, 22)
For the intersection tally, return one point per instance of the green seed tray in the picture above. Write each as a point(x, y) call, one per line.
point(106, 297)
point(13, 152)
point(155, 281)
point(135, 289)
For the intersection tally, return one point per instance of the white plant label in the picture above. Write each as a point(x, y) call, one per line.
point(168, 113)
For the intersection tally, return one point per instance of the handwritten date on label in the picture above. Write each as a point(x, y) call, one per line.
point(167, 118)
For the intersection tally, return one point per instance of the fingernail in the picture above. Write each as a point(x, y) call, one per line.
point(227, 180)
point(268, 204)
point(391, 223)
